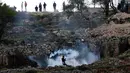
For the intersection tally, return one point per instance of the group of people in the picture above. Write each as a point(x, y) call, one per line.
point(123, 6)
point(25, 5)
point(44, 7)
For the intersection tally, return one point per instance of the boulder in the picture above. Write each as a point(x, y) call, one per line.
point(120, 18)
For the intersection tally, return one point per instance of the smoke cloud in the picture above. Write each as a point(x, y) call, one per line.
point(76, 56)
point(70, 56)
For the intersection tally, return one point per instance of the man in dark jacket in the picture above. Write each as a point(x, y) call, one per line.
point(40, 7)
point(63, 6)
point(54, 6)
point(44, 5)
point(36, 8)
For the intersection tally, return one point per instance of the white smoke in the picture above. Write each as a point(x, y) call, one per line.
point(76, 56)
point(69, 54)
point(79, 55)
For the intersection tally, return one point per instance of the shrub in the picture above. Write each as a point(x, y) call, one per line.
point(6, 15)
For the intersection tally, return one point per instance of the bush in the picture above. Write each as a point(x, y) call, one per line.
point(6, 15)
point(31, 71)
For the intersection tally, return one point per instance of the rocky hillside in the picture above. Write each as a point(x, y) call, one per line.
point(111, 40)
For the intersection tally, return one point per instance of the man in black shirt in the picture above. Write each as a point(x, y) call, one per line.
point(36, 8)
point(44, 5)
point(54, 6)
point(63, 60)
point(40, 7)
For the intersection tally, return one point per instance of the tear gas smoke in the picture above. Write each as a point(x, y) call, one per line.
point(78, 55)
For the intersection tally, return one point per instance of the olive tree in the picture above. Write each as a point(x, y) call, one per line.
point(78, 5)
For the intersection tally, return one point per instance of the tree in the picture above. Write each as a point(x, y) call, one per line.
point(105, 5)
point(80, 12)
point(6, 15)
point(78, 5)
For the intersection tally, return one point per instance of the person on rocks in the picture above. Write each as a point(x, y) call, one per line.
point(63, 6)
point(22, 6)
point(63, 60)
point(44, 5)
point(15, 8)
point(54, 6)
point(40, 7)
point(36, 8)
point(25, 6)
point(119, 6)
point(126, 7)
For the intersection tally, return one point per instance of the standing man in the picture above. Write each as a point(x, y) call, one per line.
point(64, 6)
point(36, 8)
point(40, 7)
point(22, 6)
point(122, 5)
point(25, 6)
point(44, 5)
point(54, 6)
point(15, 8)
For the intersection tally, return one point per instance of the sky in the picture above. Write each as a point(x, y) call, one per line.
point(32, 3)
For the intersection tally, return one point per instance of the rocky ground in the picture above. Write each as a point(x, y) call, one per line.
point(112, 39)
point(119, 64)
